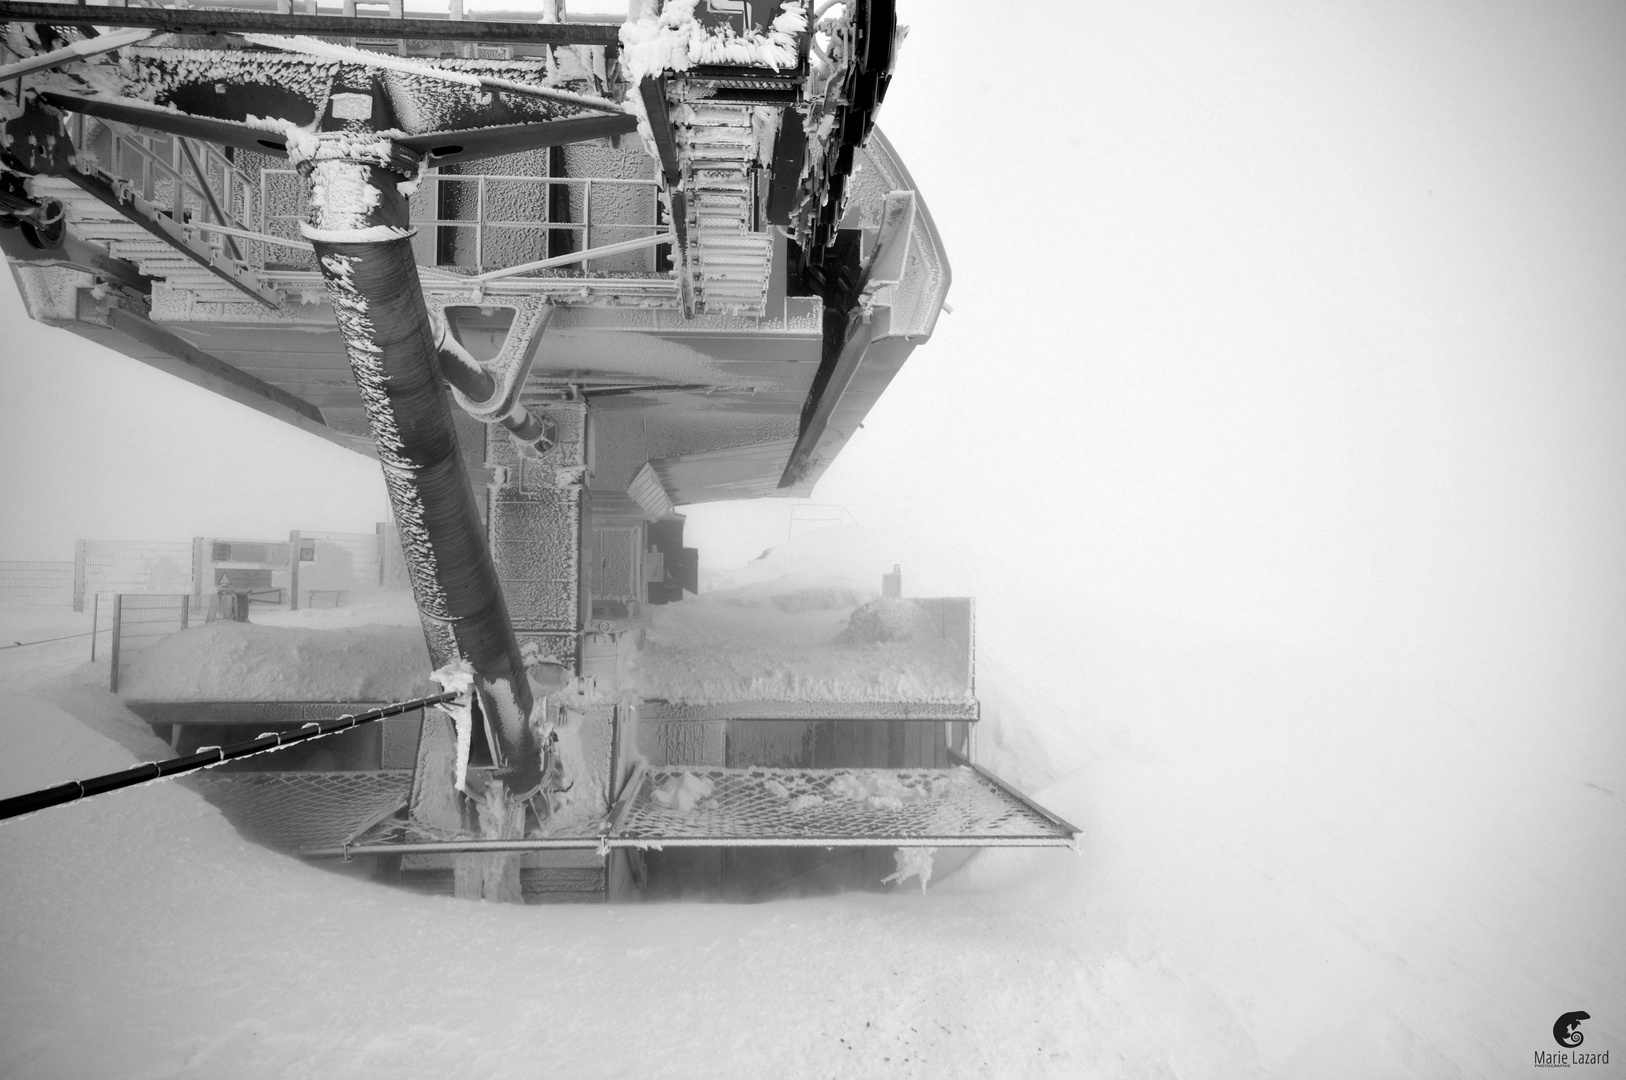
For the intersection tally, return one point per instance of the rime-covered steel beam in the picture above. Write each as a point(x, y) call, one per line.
point(824, 404)
point(78, 50)
point(198, 21)
point(145, 115)
point(77, 254)
point(652, 92)
point(438, 147)
point(445, 147)
point(360, 229)
point(789, 154)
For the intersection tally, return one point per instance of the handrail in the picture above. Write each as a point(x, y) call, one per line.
point(249, 234)
point(198, 156)
point(208, 195)
point(137, 142)
point(640, 244)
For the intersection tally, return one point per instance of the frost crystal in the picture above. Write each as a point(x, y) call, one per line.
point(684, 792)
point(458, 677)
point(912, 863)
point(674, 40)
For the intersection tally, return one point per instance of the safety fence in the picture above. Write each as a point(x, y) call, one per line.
point(130, 566)
point(335, 566)
point(36, 584)
point(141, 621)
point(330, 568)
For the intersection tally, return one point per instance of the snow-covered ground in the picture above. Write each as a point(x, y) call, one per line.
point(369, 653)
point(1288, 869)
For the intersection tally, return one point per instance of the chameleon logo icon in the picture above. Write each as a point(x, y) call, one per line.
point(1567, 1028)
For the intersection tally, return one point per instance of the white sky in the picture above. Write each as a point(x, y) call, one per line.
point(1305, 321)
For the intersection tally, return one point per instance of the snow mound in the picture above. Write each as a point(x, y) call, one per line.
point(839, 554)
point(782, 629)
point(890, 618)
point(369, 609)
point(228, 661)
point(793, 594)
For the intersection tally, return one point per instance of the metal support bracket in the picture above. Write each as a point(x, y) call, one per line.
point(512, 364)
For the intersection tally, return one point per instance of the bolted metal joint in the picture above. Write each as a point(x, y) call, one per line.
point(356, 182)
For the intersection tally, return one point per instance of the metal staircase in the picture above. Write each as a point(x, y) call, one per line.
point(188, 244)
point(730, 257)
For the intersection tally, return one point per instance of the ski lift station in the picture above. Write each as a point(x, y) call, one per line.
point(559, 275)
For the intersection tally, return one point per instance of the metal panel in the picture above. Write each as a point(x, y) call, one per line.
point(647, 491)
point(616, 571)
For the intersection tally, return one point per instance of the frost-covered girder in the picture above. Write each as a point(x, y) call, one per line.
point(77, 50)
point(437, 147)
point(238, 136)
point(472, 144)
point(68, 251)
point(181, 20)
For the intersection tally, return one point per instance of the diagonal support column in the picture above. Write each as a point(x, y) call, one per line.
point(359, 228)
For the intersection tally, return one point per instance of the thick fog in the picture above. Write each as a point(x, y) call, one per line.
point(1302, 323)
point(1277, 429)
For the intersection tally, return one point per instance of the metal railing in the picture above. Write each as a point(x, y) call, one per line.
point(250, 217)
point(140, 621)
point(284, 187)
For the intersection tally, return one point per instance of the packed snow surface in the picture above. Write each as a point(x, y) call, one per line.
point(230, 661)
point(1287, 870)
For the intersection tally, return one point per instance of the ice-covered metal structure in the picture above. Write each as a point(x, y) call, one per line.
point(559, 276)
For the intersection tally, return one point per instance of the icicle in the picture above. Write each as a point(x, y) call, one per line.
point(912, 862)
point(458, 678)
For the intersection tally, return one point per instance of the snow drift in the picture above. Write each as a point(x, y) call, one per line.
point(229, 661)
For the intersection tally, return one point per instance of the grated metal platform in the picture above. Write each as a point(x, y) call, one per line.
point(295, 811)
point(346, 813)
point(763, 807)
